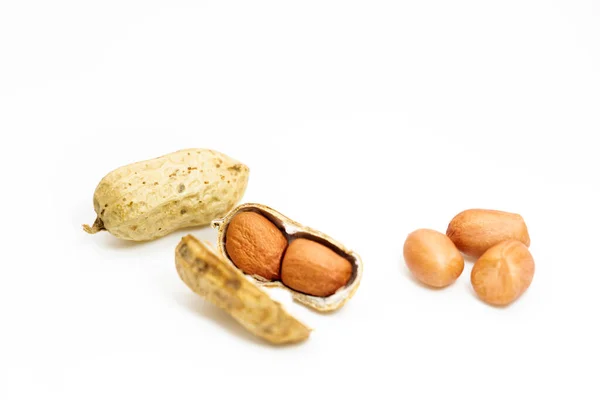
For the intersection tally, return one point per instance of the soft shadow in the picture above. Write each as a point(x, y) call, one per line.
point(205, 233)
point(202, 233)
point(115, 243)
point(469, 259)
point(288, 293)
point(206, 310)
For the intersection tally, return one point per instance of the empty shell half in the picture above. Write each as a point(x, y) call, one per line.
point(207, 274)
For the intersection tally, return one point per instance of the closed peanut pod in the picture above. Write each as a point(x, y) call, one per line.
point(150, 199)
point(503, 273)
point(320, 272)
point(475, 231)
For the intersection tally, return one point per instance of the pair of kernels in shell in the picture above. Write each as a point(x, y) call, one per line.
point(257, 247)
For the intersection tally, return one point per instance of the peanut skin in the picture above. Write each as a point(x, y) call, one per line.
point(432, 258)
point(255, 245)
point(474, 231)
point(312, 268)
point(503, 273)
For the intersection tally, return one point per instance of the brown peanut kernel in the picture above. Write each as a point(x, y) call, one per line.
point(503, 273)
point(475, 231)
point(432, 258)
point(255, 245)
point(312, 268)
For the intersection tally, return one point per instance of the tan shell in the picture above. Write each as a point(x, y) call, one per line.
point(213, 278)
point(149, 199)
point(293, 229)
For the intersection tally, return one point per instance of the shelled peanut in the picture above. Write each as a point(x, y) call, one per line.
point(499, 241)
point(432, 258)
point(476, 230)
point(276, 251)
point(503, 273)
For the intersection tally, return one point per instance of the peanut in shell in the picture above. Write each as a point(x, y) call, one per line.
point(150, 199)
point(255, 245)
point(310, 267)
point(292, 231)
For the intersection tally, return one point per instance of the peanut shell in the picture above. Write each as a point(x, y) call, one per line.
point(210, 276)
point(294, 230)
point(150, 199)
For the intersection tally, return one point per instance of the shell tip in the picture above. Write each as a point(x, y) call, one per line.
point(95, 228)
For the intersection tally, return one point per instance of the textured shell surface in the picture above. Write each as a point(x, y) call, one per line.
point(210, 276)
point(295, 230)
point(149, 199)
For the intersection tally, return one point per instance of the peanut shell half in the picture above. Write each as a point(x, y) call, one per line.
point(294, 230)
point(213, 278)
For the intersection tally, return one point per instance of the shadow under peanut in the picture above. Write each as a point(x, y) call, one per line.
point(203, 233)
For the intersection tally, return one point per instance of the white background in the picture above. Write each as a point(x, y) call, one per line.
point(365, 120)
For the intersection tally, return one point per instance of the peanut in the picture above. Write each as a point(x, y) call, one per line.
point(311, 268)
point(149, 199)
point(503, 273)
point(274, 250)
point(255, 245)
point(475, 231)
point(432, 258)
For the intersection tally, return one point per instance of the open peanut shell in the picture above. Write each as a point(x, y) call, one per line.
point(294, 230)
point(209, 275)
